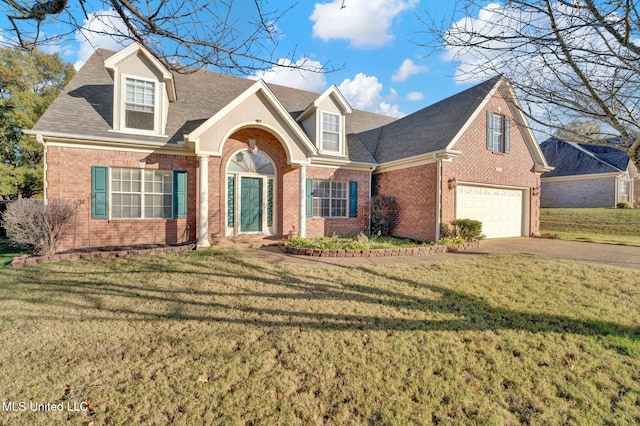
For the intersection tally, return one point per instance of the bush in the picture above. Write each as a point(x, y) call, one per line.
point(467, 229)
point(623, 205)
point(385, 214)
point(31, 223)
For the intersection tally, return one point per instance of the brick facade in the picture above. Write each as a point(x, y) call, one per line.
point(415, 187)
point(320, 226)
point(68, 176)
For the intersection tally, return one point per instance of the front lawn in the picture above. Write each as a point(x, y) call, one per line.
point(217, 337)
point(612, 226)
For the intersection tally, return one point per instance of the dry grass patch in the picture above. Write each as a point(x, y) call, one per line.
point(214, 337)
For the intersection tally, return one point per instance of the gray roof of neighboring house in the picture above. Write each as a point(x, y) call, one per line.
point(571, 159)
point(85, 107)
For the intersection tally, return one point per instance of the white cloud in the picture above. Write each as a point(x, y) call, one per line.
point(100, 30)
point(365, 92)
point(407, 69)
point(365, 23)
point(308, 76)
point(415, 96)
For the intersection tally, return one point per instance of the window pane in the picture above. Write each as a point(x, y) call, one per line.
point(139, 104)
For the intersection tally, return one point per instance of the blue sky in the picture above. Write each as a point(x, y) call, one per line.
point(374, 43)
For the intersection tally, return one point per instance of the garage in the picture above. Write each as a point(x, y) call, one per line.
point(500, 210)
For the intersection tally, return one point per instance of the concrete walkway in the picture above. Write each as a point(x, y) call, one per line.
point(613, 255)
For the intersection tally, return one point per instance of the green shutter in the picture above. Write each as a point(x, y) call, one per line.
point(99, 192)
point(507, 135)
point(179, 194)
point(353, 199)
point(490, 130)
point(309, 197)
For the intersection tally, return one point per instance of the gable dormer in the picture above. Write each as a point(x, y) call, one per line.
point(324, 121)
point(142, 90)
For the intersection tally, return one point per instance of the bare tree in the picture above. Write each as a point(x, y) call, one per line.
point(233, 36)
point(32, 223)
point(567, 60)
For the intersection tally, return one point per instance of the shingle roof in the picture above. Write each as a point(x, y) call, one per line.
point(430, 129)
point(571, 159)
point(85, 107)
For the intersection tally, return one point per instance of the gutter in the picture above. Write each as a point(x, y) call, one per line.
point(438, 195)
point(40, 140)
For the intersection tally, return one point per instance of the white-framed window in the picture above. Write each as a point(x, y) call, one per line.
point(330, 132)
point(330, 198)
point(623, 190)
point(140, 104)
point(138, 194)
point(498, 133)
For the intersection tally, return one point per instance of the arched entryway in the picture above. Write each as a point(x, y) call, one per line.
point(250, 193)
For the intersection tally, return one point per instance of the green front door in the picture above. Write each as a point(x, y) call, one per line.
point(251, 204)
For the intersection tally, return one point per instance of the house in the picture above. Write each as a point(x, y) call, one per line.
point(587, 175)
point(156, 157)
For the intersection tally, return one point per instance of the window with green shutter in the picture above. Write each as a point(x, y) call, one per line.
point(179, 194)
point(99, 192)
point(498, 133)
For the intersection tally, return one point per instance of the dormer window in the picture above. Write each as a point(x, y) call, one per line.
point(139, 104)
point(330, 132)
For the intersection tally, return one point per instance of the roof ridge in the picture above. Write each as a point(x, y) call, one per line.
point(577, 146)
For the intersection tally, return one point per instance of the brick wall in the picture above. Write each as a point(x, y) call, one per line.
point(579, 193)
point(69, 177)
point(414, 189)
point(320, 226)
point(286, 183)
point(479, 165)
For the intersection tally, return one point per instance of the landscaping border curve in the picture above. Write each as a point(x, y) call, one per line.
point(33, 260)
point(411, 251)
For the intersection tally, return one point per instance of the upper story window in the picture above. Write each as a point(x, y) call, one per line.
point(330, 132)
point(498, 132)
point(139, 104)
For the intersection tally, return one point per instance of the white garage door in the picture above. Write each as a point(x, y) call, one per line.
point(500, 210)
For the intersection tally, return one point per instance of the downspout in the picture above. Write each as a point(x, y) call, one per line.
point(40, 140)
point(438, 196)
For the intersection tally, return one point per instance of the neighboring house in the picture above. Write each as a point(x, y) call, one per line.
point(163, 158)
point(587, 175)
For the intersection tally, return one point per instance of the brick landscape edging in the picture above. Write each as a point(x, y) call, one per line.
point(412, 251)
point(33, 260)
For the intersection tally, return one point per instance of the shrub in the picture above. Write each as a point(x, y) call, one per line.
point(623, 205)
point(32, 223)
point(385, 213)
point(467, 229)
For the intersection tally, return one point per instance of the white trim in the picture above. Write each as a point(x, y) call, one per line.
point(238, 203)
point(111, 63)
point(258, 86)
point(417, 160)
point(341, 138)
point(582, 177)
point(120, 110)
point(541, 164)
point(108, 144)
point(333, 90)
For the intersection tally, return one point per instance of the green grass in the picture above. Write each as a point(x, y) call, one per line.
point(8, 252)
point(217, 337)
point(611, 226)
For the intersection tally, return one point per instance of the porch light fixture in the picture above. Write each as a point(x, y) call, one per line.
point(142, 162)
point(535, 190)
point(452, 183)
point(253, 147)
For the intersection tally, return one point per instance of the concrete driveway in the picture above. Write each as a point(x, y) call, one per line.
point(608, 254)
